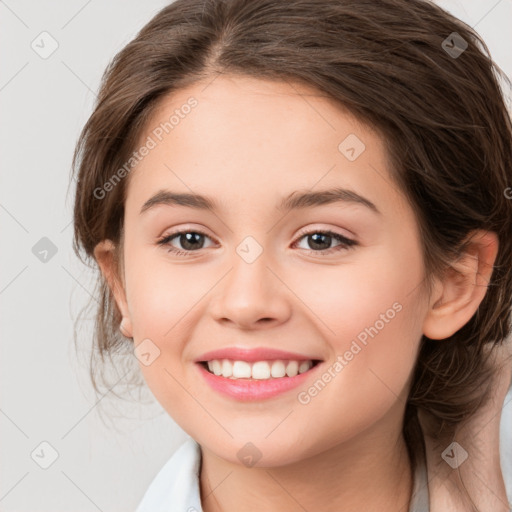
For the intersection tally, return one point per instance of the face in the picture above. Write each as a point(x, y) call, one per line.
point(333, 278)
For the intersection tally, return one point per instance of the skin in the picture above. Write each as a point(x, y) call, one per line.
point(248, 144)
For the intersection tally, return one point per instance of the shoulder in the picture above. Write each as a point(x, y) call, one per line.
point(176, 486)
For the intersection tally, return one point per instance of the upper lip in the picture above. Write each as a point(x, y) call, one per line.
point(253, 354)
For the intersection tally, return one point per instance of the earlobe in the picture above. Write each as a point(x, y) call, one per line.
point(462, 288)
point(126, 328)
point(104, 253)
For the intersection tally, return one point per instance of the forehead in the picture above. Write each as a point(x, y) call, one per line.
point(249, 140)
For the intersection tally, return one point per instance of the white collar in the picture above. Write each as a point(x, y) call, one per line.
point(176, 486)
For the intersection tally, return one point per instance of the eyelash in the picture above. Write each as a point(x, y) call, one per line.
point(345, 243)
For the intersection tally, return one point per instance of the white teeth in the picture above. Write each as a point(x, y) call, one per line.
point(216, 367)
point(260, 370)
point(227, 368)
point(278, 369)
point(304, 366)
point(241, 369)
point(292, 368)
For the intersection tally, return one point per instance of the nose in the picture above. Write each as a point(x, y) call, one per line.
point(251, 295)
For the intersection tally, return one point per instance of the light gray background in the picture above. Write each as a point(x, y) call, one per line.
point(45, 391)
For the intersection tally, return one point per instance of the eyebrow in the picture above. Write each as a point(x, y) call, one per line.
point(299, 199)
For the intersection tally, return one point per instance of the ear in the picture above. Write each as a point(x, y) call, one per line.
point(459, 293)
point(104, 253)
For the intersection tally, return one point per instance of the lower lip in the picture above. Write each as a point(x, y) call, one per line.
point(254, 389)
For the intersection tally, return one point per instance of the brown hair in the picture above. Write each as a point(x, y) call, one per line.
point(443, 116)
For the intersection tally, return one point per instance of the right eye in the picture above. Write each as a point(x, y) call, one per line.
point(189, 239)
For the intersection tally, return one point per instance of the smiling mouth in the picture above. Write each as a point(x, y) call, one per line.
point(258, 370)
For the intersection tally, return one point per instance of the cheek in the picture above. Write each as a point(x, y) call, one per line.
point(366, 381)
point(374, 296)
point(162, 294)
point(165, 306)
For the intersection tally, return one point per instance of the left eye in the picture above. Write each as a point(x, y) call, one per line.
point(191, 240)
point(325, 237)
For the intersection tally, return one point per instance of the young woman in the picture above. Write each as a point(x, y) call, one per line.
point(302, 215)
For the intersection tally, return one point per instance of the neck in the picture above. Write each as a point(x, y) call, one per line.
point(369, 473)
